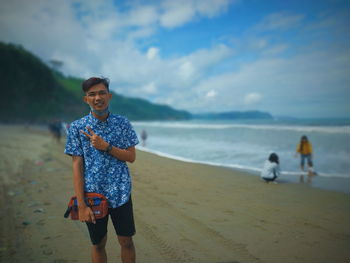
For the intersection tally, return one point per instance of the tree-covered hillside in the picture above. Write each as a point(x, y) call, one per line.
point(32, 92)
point(29, 90)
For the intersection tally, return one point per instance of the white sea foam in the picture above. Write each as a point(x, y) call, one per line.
point(178, 158)
point(276, 127)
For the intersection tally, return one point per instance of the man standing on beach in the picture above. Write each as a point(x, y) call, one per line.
point(100, 145)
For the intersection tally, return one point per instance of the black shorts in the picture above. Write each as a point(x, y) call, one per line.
point(123, 222)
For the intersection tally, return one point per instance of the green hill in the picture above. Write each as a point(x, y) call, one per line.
point(29, 89)
point(35, 93)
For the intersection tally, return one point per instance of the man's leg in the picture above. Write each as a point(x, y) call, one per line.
point(128, 254)
point(98, 252)
point(124, 225)
point(98, 236)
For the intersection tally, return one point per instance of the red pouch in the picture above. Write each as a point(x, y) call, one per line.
point(97, 202)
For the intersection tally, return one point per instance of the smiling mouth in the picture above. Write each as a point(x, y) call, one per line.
point(99, 104)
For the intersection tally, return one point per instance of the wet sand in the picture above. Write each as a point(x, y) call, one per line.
point(184, 212)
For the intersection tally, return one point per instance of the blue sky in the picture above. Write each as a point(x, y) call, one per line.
point(286, 57)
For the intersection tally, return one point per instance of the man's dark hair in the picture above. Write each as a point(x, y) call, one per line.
point(87, 84)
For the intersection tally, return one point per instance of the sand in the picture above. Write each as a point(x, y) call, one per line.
point(184, 212)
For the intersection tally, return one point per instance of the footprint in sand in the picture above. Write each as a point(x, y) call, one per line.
point(46, 251)
point(191, 203)
point(230, 212)
point(41, 222)
point(60, 260)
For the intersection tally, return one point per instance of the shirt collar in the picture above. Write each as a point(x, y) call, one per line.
point(94, 120)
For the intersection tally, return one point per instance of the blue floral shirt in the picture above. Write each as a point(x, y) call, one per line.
point(103, 173)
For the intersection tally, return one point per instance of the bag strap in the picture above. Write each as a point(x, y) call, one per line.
point(92, 195)
point(66, 214)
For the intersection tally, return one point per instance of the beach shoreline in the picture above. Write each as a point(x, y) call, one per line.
point(337, 184)
point(184, 212)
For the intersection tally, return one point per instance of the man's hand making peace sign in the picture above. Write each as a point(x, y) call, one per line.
point(96, 140)
point(127, 155)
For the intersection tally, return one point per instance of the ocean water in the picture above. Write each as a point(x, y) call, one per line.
point(247, 144)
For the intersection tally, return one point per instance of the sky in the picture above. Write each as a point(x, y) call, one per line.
point(286, 57)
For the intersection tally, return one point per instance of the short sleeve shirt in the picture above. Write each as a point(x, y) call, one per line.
point(103, 173)
point(270, 170)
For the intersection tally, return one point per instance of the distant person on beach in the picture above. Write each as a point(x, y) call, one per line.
point(55, 128)
point(304, 148)
point(271, 169)
point(143, 137)
point(100, 145)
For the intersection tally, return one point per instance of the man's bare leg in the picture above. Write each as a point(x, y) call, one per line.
point(128, 254)
point(98, 252)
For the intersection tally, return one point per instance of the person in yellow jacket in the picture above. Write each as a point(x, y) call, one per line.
point(304, 148)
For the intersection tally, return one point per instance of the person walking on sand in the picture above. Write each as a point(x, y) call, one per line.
point(271, 169)
point(143, 137)
point(100, 145)
point(55, 128)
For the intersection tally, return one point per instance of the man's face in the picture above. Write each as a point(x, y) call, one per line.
point(98, 97)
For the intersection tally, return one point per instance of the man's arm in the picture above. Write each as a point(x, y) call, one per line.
point(126, 155)
point(85, 212)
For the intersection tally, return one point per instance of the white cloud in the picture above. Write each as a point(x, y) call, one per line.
point(194, 66)
point(207, 57)
point(275, 50)
point(279, 21)
point(286, 84)
point(152, 53)
point(252, 98)
point(177, 13)
point(140, 33)
point(186, 70)
point(141, 16)
point(260, 43)
point(211, 94)
point(212, 8)
point(150, 88)
point(43, 27)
